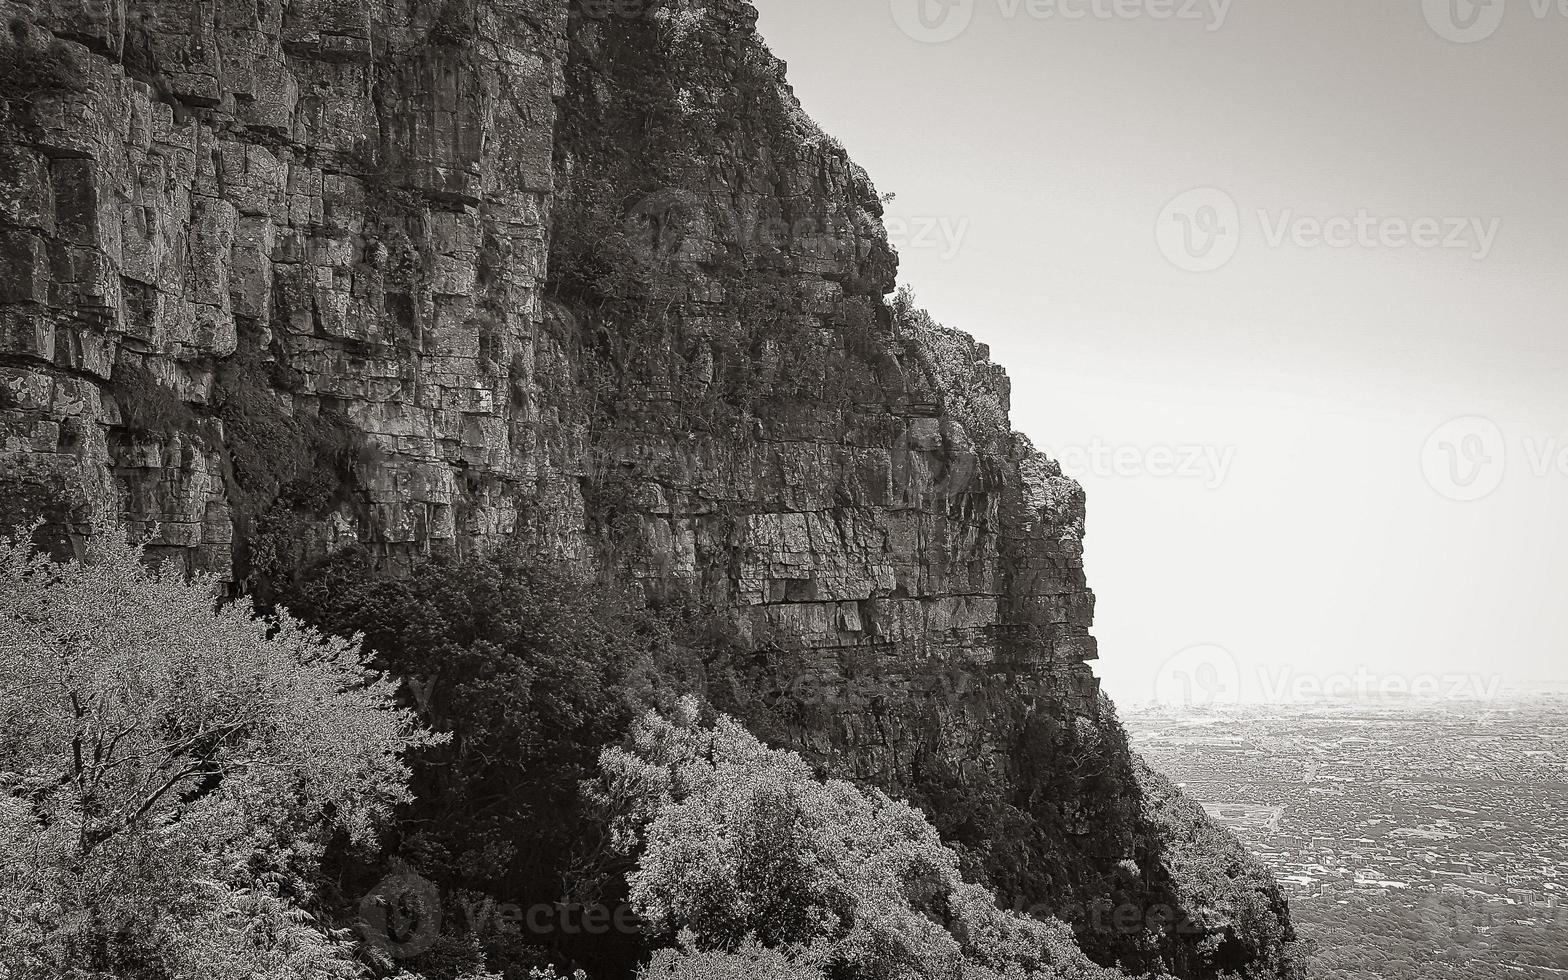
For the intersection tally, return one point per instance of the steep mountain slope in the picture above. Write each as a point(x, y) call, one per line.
point(282, 277)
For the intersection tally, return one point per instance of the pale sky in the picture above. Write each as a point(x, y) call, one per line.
point(1301, 393)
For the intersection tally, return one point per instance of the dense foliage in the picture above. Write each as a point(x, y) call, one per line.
point(530, 672)
point(741, 849)
point(188, 790)
point(171, 772)
point(1228, 900)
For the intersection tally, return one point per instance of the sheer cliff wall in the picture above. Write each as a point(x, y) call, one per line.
point(278, 280)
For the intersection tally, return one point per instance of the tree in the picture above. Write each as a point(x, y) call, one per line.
point(531, 672)
point(1225, 898)
point(171, 770)
point(740, 846)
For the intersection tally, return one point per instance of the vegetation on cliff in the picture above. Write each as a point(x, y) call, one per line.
point(171, 773)
point(739, 844)
point(189, 790)
point(530, 672)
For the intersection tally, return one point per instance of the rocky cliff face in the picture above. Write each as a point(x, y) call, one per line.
point(285, 275)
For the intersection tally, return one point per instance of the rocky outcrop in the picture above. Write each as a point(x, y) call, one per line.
point(340, 205)
point(280, 277)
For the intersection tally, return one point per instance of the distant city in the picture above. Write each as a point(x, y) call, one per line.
point(1418, 839)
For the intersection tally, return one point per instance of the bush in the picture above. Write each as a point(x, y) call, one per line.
point(286, 468)
point(751, 961)
point(301, 461)
point(1230, 899)
point(531, 672)
point(740, 846)
point(972, 390)
point(147, 405)
point(170, 772)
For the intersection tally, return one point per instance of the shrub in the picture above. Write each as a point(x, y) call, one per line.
point(170, 772)
point(738, 844)
point(531, 672)
point(146, 404)
point(751, 961)
point(285, 468)
point(1231, 901)
point(971, 389)
point(300, 460)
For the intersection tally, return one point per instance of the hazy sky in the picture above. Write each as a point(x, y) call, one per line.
point(1267, 445)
